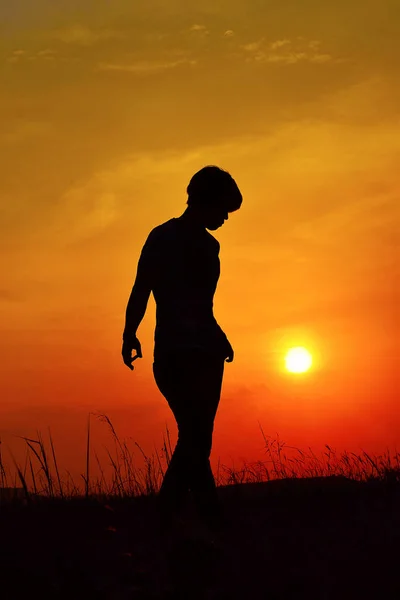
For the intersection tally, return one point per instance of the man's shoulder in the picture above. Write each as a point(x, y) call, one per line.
point(170, 232)
point(161, 231)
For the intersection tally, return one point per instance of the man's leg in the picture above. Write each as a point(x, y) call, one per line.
point(175, 486)
point(204, 404)
point(191, 384)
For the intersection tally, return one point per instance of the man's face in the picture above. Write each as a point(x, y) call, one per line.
point(215, 217)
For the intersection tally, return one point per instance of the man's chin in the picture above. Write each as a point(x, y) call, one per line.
point(214, 226)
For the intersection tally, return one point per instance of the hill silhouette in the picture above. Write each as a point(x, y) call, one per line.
point(327, 538)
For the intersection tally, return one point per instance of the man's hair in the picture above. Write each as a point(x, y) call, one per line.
point(213, 185)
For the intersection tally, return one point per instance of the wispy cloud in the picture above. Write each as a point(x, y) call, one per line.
point(279, 44)
point(286, 51)
point(253, 46)
point(87, 211)
point(145, 66)
point(19, 56)
point(199, 29)
point(82, 35)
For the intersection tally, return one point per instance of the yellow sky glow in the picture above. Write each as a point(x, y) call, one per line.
point(107, 111)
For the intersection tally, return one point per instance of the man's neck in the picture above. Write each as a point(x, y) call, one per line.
point(191, 219)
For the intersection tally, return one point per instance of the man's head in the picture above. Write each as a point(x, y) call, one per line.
point(213, 193)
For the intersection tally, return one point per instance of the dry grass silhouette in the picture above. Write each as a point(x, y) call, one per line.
point(128, 480)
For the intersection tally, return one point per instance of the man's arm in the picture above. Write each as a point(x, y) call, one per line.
point(141, 290)
point(135, 310)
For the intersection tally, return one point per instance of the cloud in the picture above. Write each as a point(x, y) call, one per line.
point(253, 46)
point(199, 28)
point(45, 53)
point(279, 44)
point(372, 100)
point(82, 35)
point(145, 66)
point(285, 51)
point(18, 56)
point(87, 211)
point(336, 171)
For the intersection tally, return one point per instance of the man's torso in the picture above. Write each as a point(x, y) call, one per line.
point(185, 281)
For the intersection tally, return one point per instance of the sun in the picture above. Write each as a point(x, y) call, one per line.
point(298, 360)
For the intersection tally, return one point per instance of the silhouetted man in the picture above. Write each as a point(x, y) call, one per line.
point(180, 264)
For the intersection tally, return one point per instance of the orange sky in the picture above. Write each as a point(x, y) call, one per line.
point(107, 110)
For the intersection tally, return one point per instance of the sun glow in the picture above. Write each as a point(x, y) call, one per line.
point(298, 360)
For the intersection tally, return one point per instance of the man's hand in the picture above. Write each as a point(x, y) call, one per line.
point(128, 345)
point(229, 353)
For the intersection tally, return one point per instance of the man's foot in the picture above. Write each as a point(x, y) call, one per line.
point(219, 527)
point(216, 521)
point(200, 535)
point(171, 525)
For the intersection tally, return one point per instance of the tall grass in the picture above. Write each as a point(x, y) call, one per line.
point(3, 474)
point(128, 480)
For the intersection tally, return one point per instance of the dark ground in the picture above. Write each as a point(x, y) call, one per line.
point(321, 538)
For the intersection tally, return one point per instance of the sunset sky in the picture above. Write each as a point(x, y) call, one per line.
point(107, 108)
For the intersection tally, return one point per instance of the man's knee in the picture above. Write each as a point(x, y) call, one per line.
point(196, 445)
